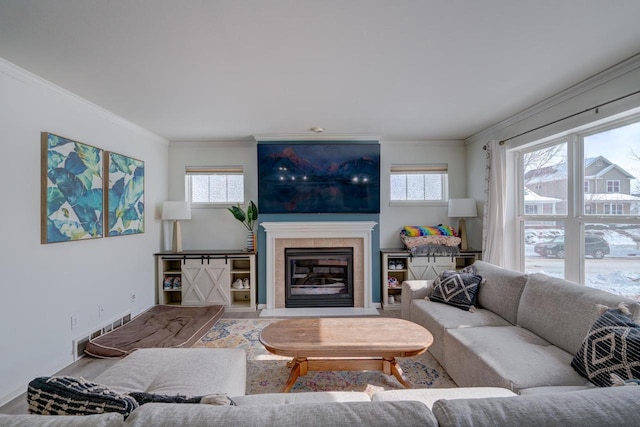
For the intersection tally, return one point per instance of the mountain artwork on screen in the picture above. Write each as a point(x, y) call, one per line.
point(319, 178)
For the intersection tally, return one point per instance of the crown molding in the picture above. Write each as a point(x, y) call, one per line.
point(210, 144)
point(12, 70)
point(315, 137)
point(611, 73)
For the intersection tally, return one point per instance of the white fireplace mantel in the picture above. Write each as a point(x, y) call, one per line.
point(318, 230)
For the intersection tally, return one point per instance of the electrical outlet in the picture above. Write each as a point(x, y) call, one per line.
point(74, 322)
point(100, 310)
point(132, 297)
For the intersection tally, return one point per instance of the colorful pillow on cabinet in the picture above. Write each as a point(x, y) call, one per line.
point(427, 230)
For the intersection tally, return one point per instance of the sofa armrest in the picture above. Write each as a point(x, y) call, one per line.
point(414, 289)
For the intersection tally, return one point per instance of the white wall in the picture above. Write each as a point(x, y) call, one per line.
point(212, 228)
point(611, 84)
point(217, 229)
point(393, 218)
point(44, 285)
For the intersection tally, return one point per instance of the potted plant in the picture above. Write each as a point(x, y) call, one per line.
point(248, 219)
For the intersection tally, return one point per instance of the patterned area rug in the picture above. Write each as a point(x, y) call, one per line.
point(267, 372)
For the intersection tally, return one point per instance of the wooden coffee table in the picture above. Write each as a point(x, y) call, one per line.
point(345, 344)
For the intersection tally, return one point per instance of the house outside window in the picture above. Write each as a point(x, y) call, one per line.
point(214, 186)
point(595, 220)
point(416, 184)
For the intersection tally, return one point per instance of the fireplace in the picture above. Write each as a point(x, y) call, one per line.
point(318, 234)
point(318, 277)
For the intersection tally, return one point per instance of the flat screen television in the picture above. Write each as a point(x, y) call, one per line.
point(316, 177)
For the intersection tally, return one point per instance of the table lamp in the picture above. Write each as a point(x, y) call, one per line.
point(462, 208)
point(176, 212)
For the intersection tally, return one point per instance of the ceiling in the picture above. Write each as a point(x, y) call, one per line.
point(398, 69)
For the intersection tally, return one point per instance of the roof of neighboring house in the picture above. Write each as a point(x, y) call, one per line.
point(559, 172)
point(530, 197)
point(603, 171)
point(610, 197)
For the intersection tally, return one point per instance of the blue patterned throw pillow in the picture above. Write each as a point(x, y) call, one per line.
point(612, 346)
point(456, 288)
point(75, 396)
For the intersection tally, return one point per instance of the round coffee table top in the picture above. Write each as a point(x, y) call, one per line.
point(346, 337)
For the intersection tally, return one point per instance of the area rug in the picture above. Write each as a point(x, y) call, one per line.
point(267, 372)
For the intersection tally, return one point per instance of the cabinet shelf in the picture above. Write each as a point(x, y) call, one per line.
point(206, 278)
point(416, 268)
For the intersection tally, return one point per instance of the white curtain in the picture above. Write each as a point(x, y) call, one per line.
point(493, 221)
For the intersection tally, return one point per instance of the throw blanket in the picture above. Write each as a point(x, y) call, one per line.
point(435, 250)
point(425, 230)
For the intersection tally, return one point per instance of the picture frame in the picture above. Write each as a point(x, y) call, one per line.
point(123, 195)
point(71, 190)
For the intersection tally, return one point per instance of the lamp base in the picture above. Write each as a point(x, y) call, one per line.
point(462, 230)
point(177, 237)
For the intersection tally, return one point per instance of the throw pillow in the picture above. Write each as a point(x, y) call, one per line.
point(612, 346)
point(220, 399)
point(471, 269)
point(63, 395)
point(456, 288)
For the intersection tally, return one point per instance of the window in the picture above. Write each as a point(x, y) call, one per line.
point(419, 183)
point(613, 209)
point(597, 220)
point(214, 185)
point(531, 209)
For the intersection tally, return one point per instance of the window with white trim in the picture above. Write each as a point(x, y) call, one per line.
point(613, 186)
point(596, 220)
point(613, 209)
point(419, 183)
point(214, 185)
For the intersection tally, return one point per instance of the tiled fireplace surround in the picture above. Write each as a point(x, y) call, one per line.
point(353, 234)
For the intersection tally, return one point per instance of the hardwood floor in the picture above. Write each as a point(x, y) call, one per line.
point(90, 367)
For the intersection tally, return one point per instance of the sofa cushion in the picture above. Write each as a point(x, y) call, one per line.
point(611, 347)
point(555, 389)
point(110, 419)
point(430, 395)
point(335, 414)
point(63, 395)
point(456, 289)
point(562, 312)
point(437, 318)
point(616, 406)
point(171, 371)
point(501, 289)
point(307, 397)
point(508, 357)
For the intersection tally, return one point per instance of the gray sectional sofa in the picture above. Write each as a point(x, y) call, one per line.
point(510, 358)
point(522, 335)
point(207, 371)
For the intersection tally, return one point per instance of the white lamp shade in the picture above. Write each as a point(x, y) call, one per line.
point(462, 208)
point(176, 210)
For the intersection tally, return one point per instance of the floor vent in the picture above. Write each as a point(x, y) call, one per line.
point(79, 344)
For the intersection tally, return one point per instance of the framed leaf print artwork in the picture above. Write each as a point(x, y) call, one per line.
point(124, 198)
point(72, 190)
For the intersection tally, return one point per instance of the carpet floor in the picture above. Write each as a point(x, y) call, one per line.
point(267, 372)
